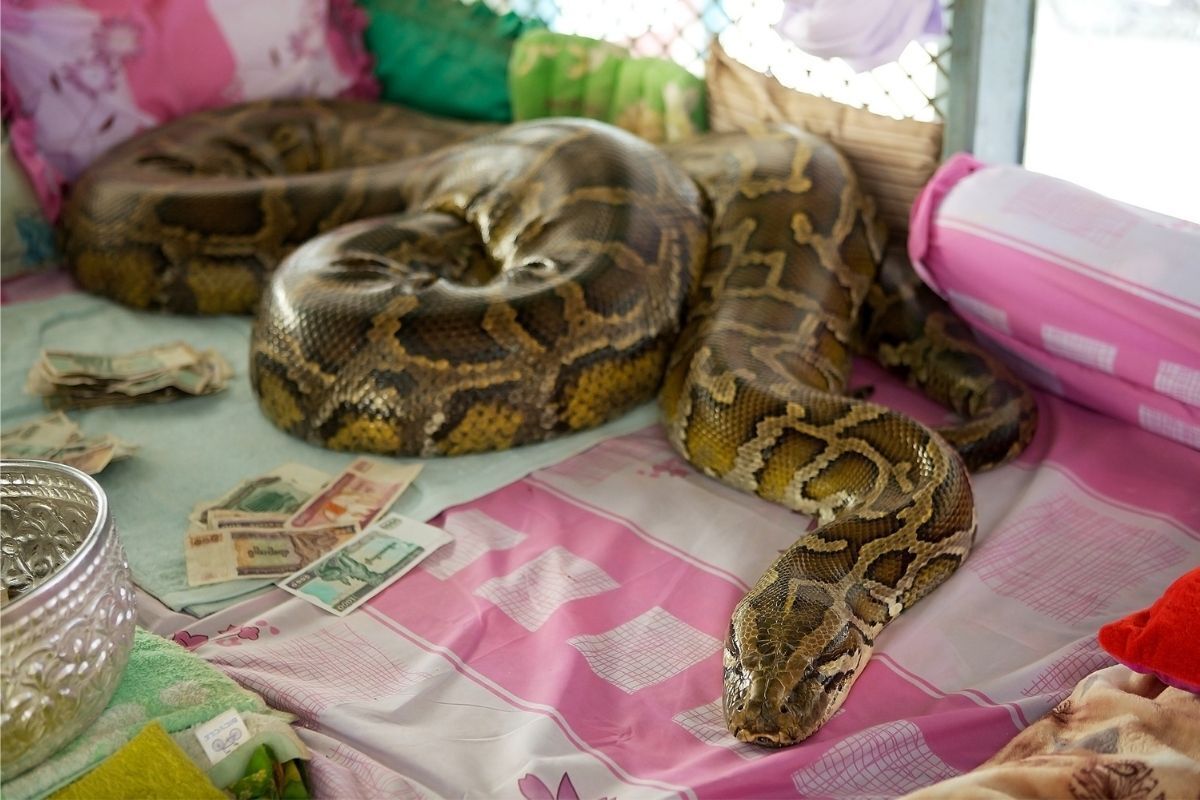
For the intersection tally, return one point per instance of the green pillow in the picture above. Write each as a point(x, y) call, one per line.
point(555, 74)
point(444, 57)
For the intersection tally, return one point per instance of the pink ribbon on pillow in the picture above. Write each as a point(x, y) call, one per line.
point(863, 33)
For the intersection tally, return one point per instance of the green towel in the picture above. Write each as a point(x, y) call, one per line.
point(150, 765)
point(163, 683)
point(556, 75)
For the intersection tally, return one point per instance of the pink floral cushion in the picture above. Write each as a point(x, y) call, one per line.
point(82, 75)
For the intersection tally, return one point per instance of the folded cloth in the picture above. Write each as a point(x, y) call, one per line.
point(268, 775)
point(149, 765)
point(556, 75)
point(162, 683)
point(864, 33)
point(266, 730)
point(1119, 734)
point(1162, 639)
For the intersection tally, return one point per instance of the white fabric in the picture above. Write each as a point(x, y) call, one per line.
point(863, 33)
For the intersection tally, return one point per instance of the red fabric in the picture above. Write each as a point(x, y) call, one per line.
point(1164, 639)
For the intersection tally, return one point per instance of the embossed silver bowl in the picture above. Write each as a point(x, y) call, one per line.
point(67, 626)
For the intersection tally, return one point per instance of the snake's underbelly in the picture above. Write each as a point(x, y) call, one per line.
point(545, 277)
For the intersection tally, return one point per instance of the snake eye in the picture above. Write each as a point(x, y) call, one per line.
point(783, 709)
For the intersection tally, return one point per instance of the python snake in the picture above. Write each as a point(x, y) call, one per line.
point(506, 285)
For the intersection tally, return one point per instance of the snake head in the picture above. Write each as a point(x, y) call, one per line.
point(781, 690)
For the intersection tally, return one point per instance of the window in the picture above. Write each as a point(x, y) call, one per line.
point(1114, 103)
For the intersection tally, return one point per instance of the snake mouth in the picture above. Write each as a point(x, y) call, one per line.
point(774, 724)
point(774, 739)
point(771, 721)
point(759, 709)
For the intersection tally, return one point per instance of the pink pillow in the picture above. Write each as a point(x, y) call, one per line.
point(79, 76)
point(1094, 300)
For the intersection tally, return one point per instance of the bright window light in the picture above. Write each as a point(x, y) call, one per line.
point(1113, 100)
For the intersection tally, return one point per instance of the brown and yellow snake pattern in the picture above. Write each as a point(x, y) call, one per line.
point(543, 278)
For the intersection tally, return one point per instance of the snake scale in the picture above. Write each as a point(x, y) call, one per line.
point(445, 288)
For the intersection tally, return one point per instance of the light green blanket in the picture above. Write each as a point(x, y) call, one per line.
point(198, 448)
point(555, 75)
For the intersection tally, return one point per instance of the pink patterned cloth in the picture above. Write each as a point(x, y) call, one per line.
point(567, 643)
point(79, 76)
point(1096, 301)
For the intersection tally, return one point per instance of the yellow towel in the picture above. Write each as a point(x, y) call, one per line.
point(149, 765)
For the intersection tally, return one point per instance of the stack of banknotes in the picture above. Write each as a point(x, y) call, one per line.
point(83, 380)
point(55, 437)
point(274, 524)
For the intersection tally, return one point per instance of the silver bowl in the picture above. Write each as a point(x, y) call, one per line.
point(67, 626)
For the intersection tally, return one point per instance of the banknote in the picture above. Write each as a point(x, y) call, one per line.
point(93, 455)
point(283, 490)
point(364, 490)
point(39, 437)
point(55, 437)
point(345, 578)
point(215, 556)
point(129, 365)
point(67, 379)
point(222, 518)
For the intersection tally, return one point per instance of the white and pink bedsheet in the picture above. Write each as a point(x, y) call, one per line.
point(568, 643)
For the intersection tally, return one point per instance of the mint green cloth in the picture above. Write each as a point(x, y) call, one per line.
point(198, 448)
point(162, 682)
point(557, 75)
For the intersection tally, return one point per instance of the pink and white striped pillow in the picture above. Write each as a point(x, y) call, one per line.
point(1095, 300)
point(82, 75)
